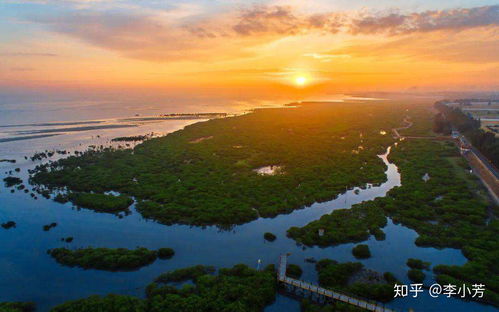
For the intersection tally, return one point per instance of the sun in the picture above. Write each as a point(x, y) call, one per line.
point(300, 80)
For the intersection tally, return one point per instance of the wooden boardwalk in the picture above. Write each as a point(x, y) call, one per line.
point(327, 294)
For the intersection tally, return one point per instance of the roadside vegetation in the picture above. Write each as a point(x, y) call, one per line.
point(323, 148)
point(486, 142)
point(237, 289)
point(109, 259)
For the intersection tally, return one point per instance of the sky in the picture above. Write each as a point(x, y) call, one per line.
point(253, 48)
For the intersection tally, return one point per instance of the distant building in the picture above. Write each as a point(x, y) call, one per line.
point(321, 232)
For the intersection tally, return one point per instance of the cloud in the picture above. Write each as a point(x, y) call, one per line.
point(262, 19)
point(132, 34)
point(22, 69)
point(325, 57)
point(27, 54)
point(476, 45)
point(160, 36)
point(456, 19)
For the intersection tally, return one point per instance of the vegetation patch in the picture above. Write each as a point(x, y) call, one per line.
point(101, 202)
point(47, 227)
point(237, 289)
point(416, 275)
point(269, 236)
point(134, 138)
point(185, 274)
point(212, 182)
point(109, 259)
point(341, 226)
point(339, 276)
point(443, 210)
point(294, 271)
point(12, 181)
point(418, 264)
point(17, 307)
point(361, 251)
point(8, 225)
point(165, 253)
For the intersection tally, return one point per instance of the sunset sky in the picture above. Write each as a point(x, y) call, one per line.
point(259, 46)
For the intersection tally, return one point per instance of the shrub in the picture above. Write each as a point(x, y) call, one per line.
point(17, 306)
point(165, 253)
point(294, 271)
point(361, 251)
point(416, 275)
point(269, 236)
point(11, 181)
point(8, 225)
point(418, 264)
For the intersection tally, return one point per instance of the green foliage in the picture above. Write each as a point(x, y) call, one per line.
point(180, 275)
point(132, 138)
point(8, 225)
point(390, 278)
point(109, 303)
point(269, 236)
point(338, 276)
point(12, 181)
point(294, 271)
point(101, 202)
point(322, 148)
point(165, 253)
point(110, 259)
point(333, 274)
point(361, 251)
point(416, 275)
point(485, 142)
point(378, 234)
point(341, 226)
point(17, 307)
point(239, 289)
point(444, 211)
point(236, 289)
point(418, 264)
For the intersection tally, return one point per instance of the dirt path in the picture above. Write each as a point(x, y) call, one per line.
point(408, 125)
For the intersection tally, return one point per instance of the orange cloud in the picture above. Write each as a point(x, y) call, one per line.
point(154, 37)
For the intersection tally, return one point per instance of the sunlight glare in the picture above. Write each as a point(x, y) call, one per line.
point(300, 80)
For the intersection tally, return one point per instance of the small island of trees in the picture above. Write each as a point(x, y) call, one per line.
point(269, 236)
point(361, 251)
point(109, 259)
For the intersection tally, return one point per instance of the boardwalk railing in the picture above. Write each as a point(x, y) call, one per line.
point(329, 294)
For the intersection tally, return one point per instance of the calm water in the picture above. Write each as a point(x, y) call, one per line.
point(27, 273)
